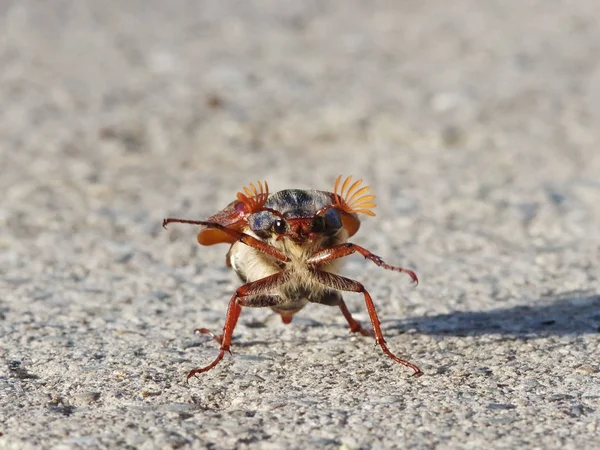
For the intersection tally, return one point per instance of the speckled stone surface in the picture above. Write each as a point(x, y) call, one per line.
point(477, 126)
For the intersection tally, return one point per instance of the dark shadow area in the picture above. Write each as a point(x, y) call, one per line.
point(571, 313)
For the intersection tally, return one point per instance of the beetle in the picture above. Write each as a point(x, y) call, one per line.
point(287, 247)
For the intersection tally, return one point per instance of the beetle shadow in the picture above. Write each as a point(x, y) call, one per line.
point(569, 313)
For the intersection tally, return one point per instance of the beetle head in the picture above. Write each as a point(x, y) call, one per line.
point(297, 224)
point(311, 216)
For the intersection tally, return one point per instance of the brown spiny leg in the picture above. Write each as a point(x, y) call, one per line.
point(255, 301)
point(216, 337)
point(341, 250)
point(334, 298)
point(233, 313)
point(355, 326)
point(251, 241)
point(346, 284)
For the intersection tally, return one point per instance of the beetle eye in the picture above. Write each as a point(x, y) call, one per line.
point(279, 226)
point(318, 224)
point(332, 220)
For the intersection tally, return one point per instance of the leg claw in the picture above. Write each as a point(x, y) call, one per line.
point(218, 338)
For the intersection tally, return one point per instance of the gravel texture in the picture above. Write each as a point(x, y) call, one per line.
point(477, 125)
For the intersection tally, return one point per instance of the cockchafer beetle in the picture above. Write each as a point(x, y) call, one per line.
point(287, 248)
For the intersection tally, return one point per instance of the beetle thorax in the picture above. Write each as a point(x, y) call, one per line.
point(298, 203)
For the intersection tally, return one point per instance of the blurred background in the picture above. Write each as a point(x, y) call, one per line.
point(475, 122)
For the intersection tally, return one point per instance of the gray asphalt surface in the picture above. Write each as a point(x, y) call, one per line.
point(475, 122)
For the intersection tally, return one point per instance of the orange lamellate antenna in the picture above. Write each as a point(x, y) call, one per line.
point(352, 198)
point(253, 198)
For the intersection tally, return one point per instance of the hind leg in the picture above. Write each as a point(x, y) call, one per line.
point(253, 301)
point(334, 298)
point(346, 284)
point(255, 288)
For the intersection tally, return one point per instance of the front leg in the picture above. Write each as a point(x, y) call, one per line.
point(341, 250)
point(250, 241)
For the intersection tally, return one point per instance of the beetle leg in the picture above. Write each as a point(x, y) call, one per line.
point(346, 284)
point(341, 250)
point(233, 313)
point(218, 338)
point(263, 301)
point(254, 301)
point(250, 241)
point(355, 326)
point(334, 298)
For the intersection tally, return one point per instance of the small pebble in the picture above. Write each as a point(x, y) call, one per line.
point(586, 369)
point(500, 406)
point(86, 398)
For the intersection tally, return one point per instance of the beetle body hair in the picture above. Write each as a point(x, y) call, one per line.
point(300, 287)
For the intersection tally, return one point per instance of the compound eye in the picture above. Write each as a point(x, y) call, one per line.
point(318, 225)
point(279, 226)
point(333, 220)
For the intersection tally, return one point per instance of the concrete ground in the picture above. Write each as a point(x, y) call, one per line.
point(476, 124)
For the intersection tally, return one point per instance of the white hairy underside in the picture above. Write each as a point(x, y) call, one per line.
point(256, 265)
